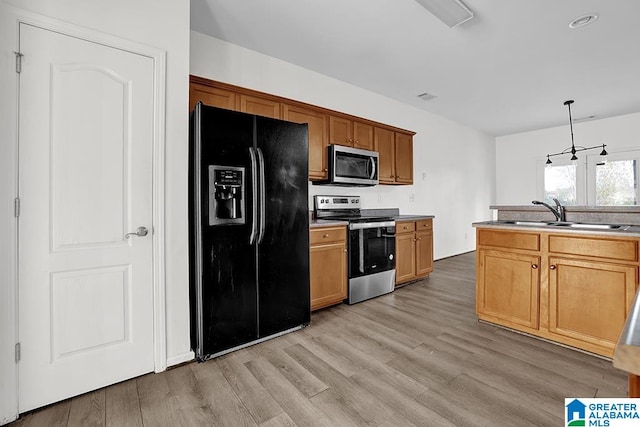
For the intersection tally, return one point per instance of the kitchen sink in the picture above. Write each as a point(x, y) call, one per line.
point(588, 226)
point(531, 223)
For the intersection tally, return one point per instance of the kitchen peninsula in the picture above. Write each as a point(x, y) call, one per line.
point(569, 282)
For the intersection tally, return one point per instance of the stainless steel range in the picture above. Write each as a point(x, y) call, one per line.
point(372, 246)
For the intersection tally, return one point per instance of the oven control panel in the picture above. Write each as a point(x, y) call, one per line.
point(336, 202)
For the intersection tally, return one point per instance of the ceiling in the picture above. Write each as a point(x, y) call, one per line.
point(508, 70)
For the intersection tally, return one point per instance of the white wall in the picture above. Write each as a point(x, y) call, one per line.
point(163, 25)
point(453, 164)
point(519, 156)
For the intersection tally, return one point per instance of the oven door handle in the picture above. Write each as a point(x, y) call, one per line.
point(364, 225)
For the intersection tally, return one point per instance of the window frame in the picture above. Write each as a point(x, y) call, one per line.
point(593, 159)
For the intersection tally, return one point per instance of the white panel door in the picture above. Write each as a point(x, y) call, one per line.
point(85, 180)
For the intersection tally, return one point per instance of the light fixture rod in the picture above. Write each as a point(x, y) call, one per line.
point(573, 150)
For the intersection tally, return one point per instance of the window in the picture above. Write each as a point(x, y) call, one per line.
point(560, 183)
point(590, 181)
point(614, 183)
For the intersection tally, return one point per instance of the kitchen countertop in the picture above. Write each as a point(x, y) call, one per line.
point(633, 231)
point(412, 217)
point(317, 223)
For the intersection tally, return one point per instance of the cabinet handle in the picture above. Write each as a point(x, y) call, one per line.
point(534, 266)
point(356, 141)
point(325, 236)
point(552, 267)
point(325, 169)
point(415, 240)
point(345, 250)
point(419, 238)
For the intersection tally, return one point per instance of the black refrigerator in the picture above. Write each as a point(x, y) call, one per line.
point(249, 229)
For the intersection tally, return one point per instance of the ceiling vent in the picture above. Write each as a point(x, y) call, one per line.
point(451, 12)
point(426, 96)
point(584, 119)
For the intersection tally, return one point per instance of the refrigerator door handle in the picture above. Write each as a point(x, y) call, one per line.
point(262, 196)
point(254, 195)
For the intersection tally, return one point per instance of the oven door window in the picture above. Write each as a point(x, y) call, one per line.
point(371, 250)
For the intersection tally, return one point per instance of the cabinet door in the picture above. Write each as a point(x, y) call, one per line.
point(424, 253)
point(328, 271)
point(405, 257)
point(590, 300)
point(317, 137)
point(340, 131)
point(384, 144)
point(260, 106)
point(404, 158)
point(362, 136)
point(507, 288)
point(211, 96)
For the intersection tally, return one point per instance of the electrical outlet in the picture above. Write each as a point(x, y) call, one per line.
point(424, 176)
point(412, 197)
point(379, 198)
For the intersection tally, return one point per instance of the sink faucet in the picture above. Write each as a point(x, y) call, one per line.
point(559, 211)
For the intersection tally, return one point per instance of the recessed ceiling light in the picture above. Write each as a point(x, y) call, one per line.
point(426, 96)
point(583, 20)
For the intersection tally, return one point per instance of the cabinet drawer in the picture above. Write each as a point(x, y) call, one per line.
point(623, 250)
point(509, 239)
point(327, 234)
point(424, 224)
point(405, 227)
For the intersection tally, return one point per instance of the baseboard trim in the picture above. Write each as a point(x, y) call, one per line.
point(180, 358)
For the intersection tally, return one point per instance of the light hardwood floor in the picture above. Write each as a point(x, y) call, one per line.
point(418, 356)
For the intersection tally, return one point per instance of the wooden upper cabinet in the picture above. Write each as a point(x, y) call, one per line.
point(325, 127)
point(340, 131)
point(260, 106)
point(362, 136)
point(212, 96)
point(404, 158)
point(396, 156)
point(384, 144)
point(350, 133)
point(318, 139)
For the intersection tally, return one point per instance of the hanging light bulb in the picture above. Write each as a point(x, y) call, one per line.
point(603, 155)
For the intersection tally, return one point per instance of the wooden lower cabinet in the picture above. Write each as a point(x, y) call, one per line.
point(508, 288)
point(328, 266)
point(414, 250)
point(572, 289)
point(589, 300)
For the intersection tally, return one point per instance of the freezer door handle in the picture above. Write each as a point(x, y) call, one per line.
point(254, 195)
point(262, 195)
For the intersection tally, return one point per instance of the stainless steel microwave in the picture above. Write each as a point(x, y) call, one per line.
point(351, 166)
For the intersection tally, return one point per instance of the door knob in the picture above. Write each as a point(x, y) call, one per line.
point(140, 231)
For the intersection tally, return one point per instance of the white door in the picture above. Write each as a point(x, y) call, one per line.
point(85, 180)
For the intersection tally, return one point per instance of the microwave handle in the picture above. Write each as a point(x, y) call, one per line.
point(373, 168)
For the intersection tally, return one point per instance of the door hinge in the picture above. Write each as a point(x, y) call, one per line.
point(18, 62)
point(17, 352)
point(17, 207)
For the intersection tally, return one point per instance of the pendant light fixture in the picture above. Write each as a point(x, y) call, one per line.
point(573, 149)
